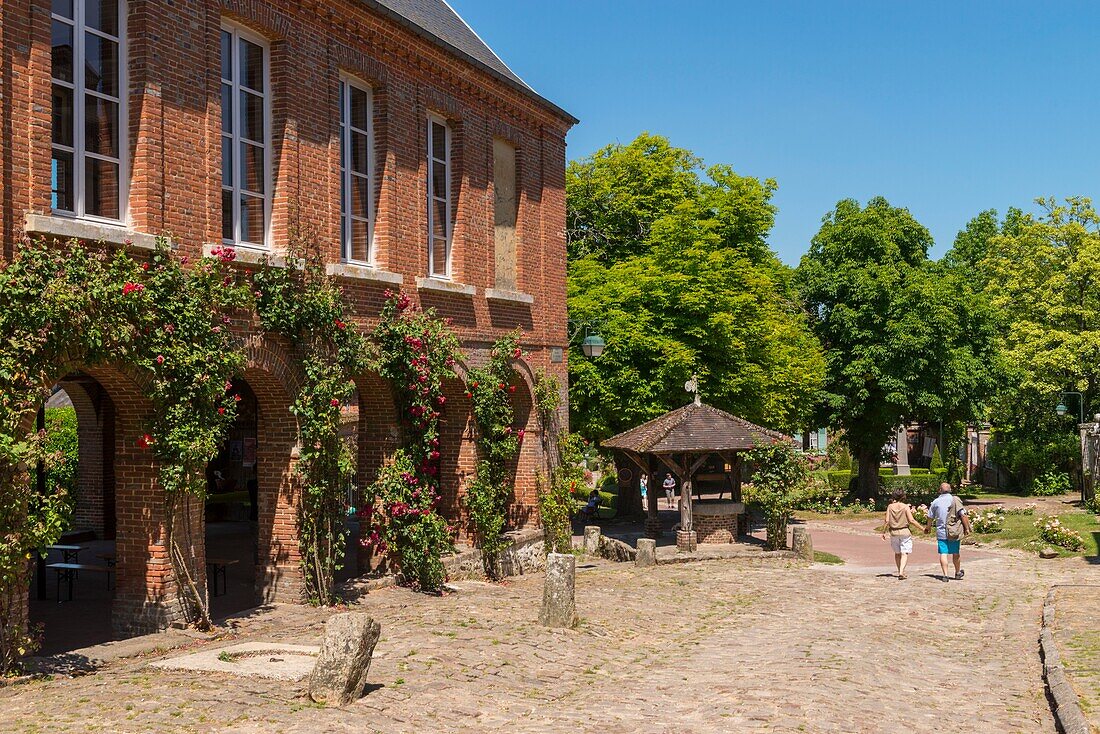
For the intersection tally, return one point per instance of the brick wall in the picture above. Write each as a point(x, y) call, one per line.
point(174, 128)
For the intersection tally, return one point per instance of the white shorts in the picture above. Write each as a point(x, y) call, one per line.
point(902, 543)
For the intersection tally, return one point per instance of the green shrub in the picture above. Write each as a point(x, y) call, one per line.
point(918, 470)
point(937, 459)
point(1050, 484)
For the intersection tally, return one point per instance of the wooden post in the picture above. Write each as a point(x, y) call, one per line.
point(653, 520)
point(685, 497)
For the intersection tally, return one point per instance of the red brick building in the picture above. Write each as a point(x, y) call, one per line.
point(383, 131)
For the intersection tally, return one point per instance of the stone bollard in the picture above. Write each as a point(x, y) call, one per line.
point(592, 540)
point(559, 604)
point(647, 552)
point(686, 541)
point(340, 673)
point(802, 544)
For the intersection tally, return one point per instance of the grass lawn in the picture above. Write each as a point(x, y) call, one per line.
point(1019, 530)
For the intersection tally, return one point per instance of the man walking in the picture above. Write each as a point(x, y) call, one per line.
point(670, 487)
point(949, 516)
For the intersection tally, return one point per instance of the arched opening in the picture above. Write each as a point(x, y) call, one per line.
point(73, 584)
point(523, 504)
point(458, 455)
point(231, 510)
point(377, 434)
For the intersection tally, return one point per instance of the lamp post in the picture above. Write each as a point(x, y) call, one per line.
point(1061, 408)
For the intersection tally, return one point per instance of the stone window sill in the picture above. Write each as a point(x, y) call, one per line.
point(498, 294)
point(83, 229)
point(445, 286)
point(247, 255)
point(363, 272)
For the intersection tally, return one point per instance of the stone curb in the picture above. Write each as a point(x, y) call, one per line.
point(1066, 707)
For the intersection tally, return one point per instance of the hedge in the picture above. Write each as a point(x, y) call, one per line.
point(919, 488)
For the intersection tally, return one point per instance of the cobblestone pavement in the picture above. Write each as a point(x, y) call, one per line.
point(718, 646)
point(1077, 635)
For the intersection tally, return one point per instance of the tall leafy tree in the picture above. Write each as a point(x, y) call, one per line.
point(904, 338)
point(1042, 273)
point(687, 286)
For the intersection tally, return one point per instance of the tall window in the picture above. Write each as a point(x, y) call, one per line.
point(356, 172)
point(439, 198)
point(88, 137)
point(245, 139)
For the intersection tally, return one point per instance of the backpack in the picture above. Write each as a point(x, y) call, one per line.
point(954, 522)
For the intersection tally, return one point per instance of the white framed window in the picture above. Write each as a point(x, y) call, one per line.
point(356, 172)
point(439, 198)
point(246, 138)
point(88, 60)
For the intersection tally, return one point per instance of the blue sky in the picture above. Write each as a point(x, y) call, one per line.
point(946, 108)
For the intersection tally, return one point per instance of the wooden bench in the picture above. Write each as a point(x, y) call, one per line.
point(67, 572)
point(217, 567)
point(69, 553)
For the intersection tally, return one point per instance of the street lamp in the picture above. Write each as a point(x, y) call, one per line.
point(1061, 408)
point(592, 345)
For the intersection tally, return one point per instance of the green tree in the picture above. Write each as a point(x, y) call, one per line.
point(688, 287)
point(904, 338)
point(1042, 273)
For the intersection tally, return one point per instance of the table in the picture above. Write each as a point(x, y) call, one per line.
point(214, 568)
point(67, 572)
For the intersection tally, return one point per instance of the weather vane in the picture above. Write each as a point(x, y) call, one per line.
point(692, 386)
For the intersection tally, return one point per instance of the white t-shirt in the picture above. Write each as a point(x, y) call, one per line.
point(939, 510)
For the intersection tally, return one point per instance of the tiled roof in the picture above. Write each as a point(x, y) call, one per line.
point(438, 22)
point(695, 428)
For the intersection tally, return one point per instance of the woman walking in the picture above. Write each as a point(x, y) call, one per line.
point(899, 516)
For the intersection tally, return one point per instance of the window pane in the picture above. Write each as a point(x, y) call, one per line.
point(102, 15)
point(252, 117)
point(227, 215)
point(439, 218)
point(360, 241)
point(62, 101)
point(62, 55)
point(439, 179)
point(101, 126)
point(360, 197)
point(252, 220)
point(359, 153)
point(439, 141)
point(439, 257)
point(227, 161)
point(63, 8)
point(101, 188)
point(100, 64)
point(359, 108)
point(227, 108)
point(252, 168)
point(61, 173)
point(252, 66)
point(227, 55)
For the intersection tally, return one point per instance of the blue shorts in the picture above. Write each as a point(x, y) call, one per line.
point(949, 547)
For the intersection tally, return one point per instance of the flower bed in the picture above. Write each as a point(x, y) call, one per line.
point(1052, 531)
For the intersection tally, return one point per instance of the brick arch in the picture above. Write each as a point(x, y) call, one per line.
point(523, 504)
point(458, 455)
point(378, 433)
point(278, 569)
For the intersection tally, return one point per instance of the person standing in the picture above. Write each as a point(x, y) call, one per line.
point(949, 516)
point(898, 519)
point(670, 488)
point(643, 484)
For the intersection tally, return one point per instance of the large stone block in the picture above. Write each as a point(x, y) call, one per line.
point(559, 606)
point(647, 552)
point(340, 674)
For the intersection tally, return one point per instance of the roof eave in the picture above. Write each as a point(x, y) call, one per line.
point(479, 65)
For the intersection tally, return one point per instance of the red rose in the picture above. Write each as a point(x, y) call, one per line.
point(145, 266)
point(160, 359)
point(334, 402)
point(221, 411)
point(441, 400)
point(518, 353)
point(511, 388)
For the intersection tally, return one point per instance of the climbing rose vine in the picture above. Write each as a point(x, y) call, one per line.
point(302, 303)
point(416, 352)
point(491, 390)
